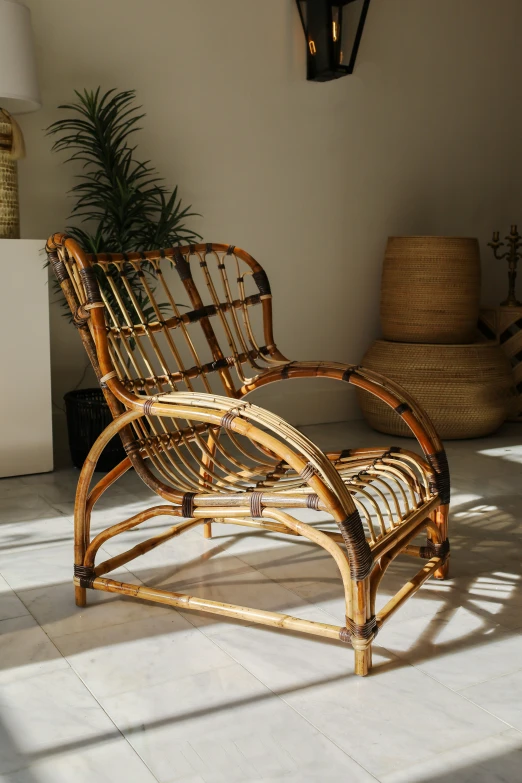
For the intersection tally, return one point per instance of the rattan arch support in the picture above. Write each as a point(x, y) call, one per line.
point(178, 338)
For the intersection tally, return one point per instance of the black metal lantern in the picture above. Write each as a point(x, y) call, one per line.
point(333, 30)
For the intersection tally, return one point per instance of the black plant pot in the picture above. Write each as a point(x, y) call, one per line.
point(87, 416)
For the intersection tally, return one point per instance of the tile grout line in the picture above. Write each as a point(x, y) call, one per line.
point(492, 679)
point(75, 673)
point(309, 602)
point(290, 706)
point(120, 732)
point(443, 753)
point(17, 617)
point(410, 766)
point(77, 676)
point(405, 661)
point(201, 629)
point(276, 695)
point(468, 700)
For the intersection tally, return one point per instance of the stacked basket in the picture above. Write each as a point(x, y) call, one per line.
point(429, 314)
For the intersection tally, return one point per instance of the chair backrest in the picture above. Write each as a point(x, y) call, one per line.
point(177, 319)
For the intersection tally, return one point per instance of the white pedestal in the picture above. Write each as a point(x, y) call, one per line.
point(26, 444)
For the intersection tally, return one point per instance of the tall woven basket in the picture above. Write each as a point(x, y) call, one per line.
point(430, 290)
point(467, 390)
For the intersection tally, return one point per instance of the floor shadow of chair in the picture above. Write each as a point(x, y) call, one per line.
point(308, 577)
point(485, 579)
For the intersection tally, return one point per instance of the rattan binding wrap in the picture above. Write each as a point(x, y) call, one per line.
point(466, 390)
point(312, 501)
point(439, 463)
point(85, 575)
point(435, 550)
point(365, 630)
point(187, 505)
point(256, 504)
point(430, 289)
point(91, 286)
point(359, 552)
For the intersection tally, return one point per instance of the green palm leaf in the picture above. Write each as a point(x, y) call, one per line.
point(121, 202)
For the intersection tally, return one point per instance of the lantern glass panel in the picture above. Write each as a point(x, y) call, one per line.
point(337, 17)
point(350, 13)
point(302, 5)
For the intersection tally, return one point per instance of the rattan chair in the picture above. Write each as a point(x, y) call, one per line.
point(162, 327)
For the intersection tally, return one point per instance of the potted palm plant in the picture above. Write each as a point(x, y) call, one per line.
point(121, 205)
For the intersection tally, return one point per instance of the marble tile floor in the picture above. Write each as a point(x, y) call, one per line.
point(137, 692)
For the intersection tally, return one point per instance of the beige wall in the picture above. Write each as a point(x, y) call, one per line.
point(310, 178)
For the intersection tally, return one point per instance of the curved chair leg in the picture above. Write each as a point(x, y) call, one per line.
point(357, 593)
point(443, 572)
point(82, 527)
point(81, 512)
point(440, 517)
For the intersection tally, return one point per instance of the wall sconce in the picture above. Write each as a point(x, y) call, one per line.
point(333, 30)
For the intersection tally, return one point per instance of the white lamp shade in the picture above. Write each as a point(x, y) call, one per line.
point(19, 91)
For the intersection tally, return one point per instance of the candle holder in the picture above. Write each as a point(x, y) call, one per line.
point(514, 241)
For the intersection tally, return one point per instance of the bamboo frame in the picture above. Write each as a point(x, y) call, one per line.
point(217, 458)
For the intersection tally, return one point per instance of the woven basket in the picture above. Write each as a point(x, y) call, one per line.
point(87, 416)
point(430, 290)
point(467, 390)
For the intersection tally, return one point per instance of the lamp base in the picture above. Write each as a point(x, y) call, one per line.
point(9, 207)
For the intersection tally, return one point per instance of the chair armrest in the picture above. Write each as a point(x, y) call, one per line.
point(275, 434)
point(386, 390)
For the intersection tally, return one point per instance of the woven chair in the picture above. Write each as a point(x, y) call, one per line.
point(162, 329)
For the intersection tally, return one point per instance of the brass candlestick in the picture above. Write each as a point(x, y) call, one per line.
point(514, 241)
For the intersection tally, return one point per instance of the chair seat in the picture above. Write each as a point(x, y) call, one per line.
point(388, 485)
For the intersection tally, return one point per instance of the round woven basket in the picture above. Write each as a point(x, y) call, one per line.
point(430, 290)
point(467, 390)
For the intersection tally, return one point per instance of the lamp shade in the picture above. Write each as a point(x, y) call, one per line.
point(19, 91)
